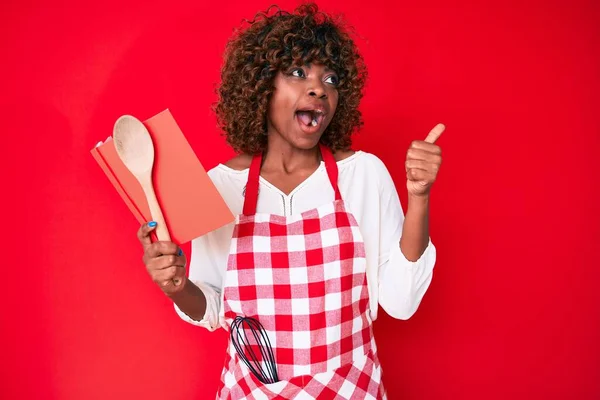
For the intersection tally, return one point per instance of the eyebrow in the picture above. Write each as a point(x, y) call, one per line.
point(327, 69)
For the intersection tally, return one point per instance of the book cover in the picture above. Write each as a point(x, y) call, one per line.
point(190, 202)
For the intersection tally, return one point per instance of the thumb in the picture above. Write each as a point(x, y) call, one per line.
point(144, 233)
point(435, 133)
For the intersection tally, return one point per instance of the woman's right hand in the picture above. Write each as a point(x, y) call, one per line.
point(165, 261)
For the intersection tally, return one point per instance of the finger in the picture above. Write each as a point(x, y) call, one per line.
point(435, 133)
point(420, 164)
point(160, 248)
point(167, 261)
point(425, 155)
point(174, 279)
point(143, 234)
point(179, 277)
point(414, 174)
point(166, 277)
point(425, 146)
point(153, 260)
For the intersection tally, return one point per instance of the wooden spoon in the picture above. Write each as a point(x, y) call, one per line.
point(134, 147)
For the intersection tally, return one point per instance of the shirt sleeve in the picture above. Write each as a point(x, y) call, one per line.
point(402, 283)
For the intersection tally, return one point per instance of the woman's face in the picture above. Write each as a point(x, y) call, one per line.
point(303, 104)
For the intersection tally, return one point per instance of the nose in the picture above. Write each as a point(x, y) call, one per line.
point(317, 90)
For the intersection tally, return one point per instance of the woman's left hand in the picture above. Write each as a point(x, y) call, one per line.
point(423, 161)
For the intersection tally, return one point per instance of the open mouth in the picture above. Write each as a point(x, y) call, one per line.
point(310, 118)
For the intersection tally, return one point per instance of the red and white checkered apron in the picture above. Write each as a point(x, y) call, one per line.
point(304, 278)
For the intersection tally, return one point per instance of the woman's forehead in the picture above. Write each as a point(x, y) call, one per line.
point(315, 64)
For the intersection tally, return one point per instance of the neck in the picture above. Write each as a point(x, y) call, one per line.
point(281, 156)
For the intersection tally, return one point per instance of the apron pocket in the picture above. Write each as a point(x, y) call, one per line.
point(362, 376)
point(280, 388)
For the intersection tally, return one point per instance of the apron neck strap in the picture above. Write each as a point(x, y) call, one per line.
point(251, 195)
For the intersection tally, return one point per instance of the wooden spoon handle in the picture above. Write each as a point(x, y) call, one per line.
point(162, 232)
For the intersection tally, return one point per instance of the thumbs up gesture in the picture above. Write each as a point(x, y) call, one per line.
point(423, 161)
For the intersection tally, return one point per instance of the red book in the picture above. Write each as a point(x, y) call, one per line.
point(190, 202)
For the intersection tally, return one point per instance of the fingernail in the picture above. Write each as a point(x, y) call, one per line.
point(180, 252)
point(151, 224)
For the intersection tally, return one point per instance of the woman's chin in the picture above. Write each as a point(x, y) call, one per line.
point(306, 142)
point(299, 139)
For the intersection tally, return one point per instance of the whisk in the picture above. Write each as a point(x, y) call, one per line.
point(261, 364)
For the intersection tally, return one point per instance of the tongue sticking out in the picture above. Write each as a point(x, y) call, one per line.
point(306, 117)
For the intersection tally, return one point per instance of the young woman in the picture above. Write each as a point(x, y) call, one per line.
point(320, 238)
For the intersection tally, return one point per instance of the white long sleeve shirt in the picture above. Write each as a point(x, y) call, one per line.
point(366, 186)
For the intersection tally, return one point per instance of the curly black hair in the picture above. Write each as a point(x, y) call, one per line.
point(275, 42)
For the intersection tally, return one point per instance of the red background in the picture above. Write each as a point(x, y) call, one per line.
point(513, 308)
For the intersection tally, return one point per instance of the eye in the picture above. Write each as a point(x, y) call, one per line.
point(298, 72)
point(333, 80)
